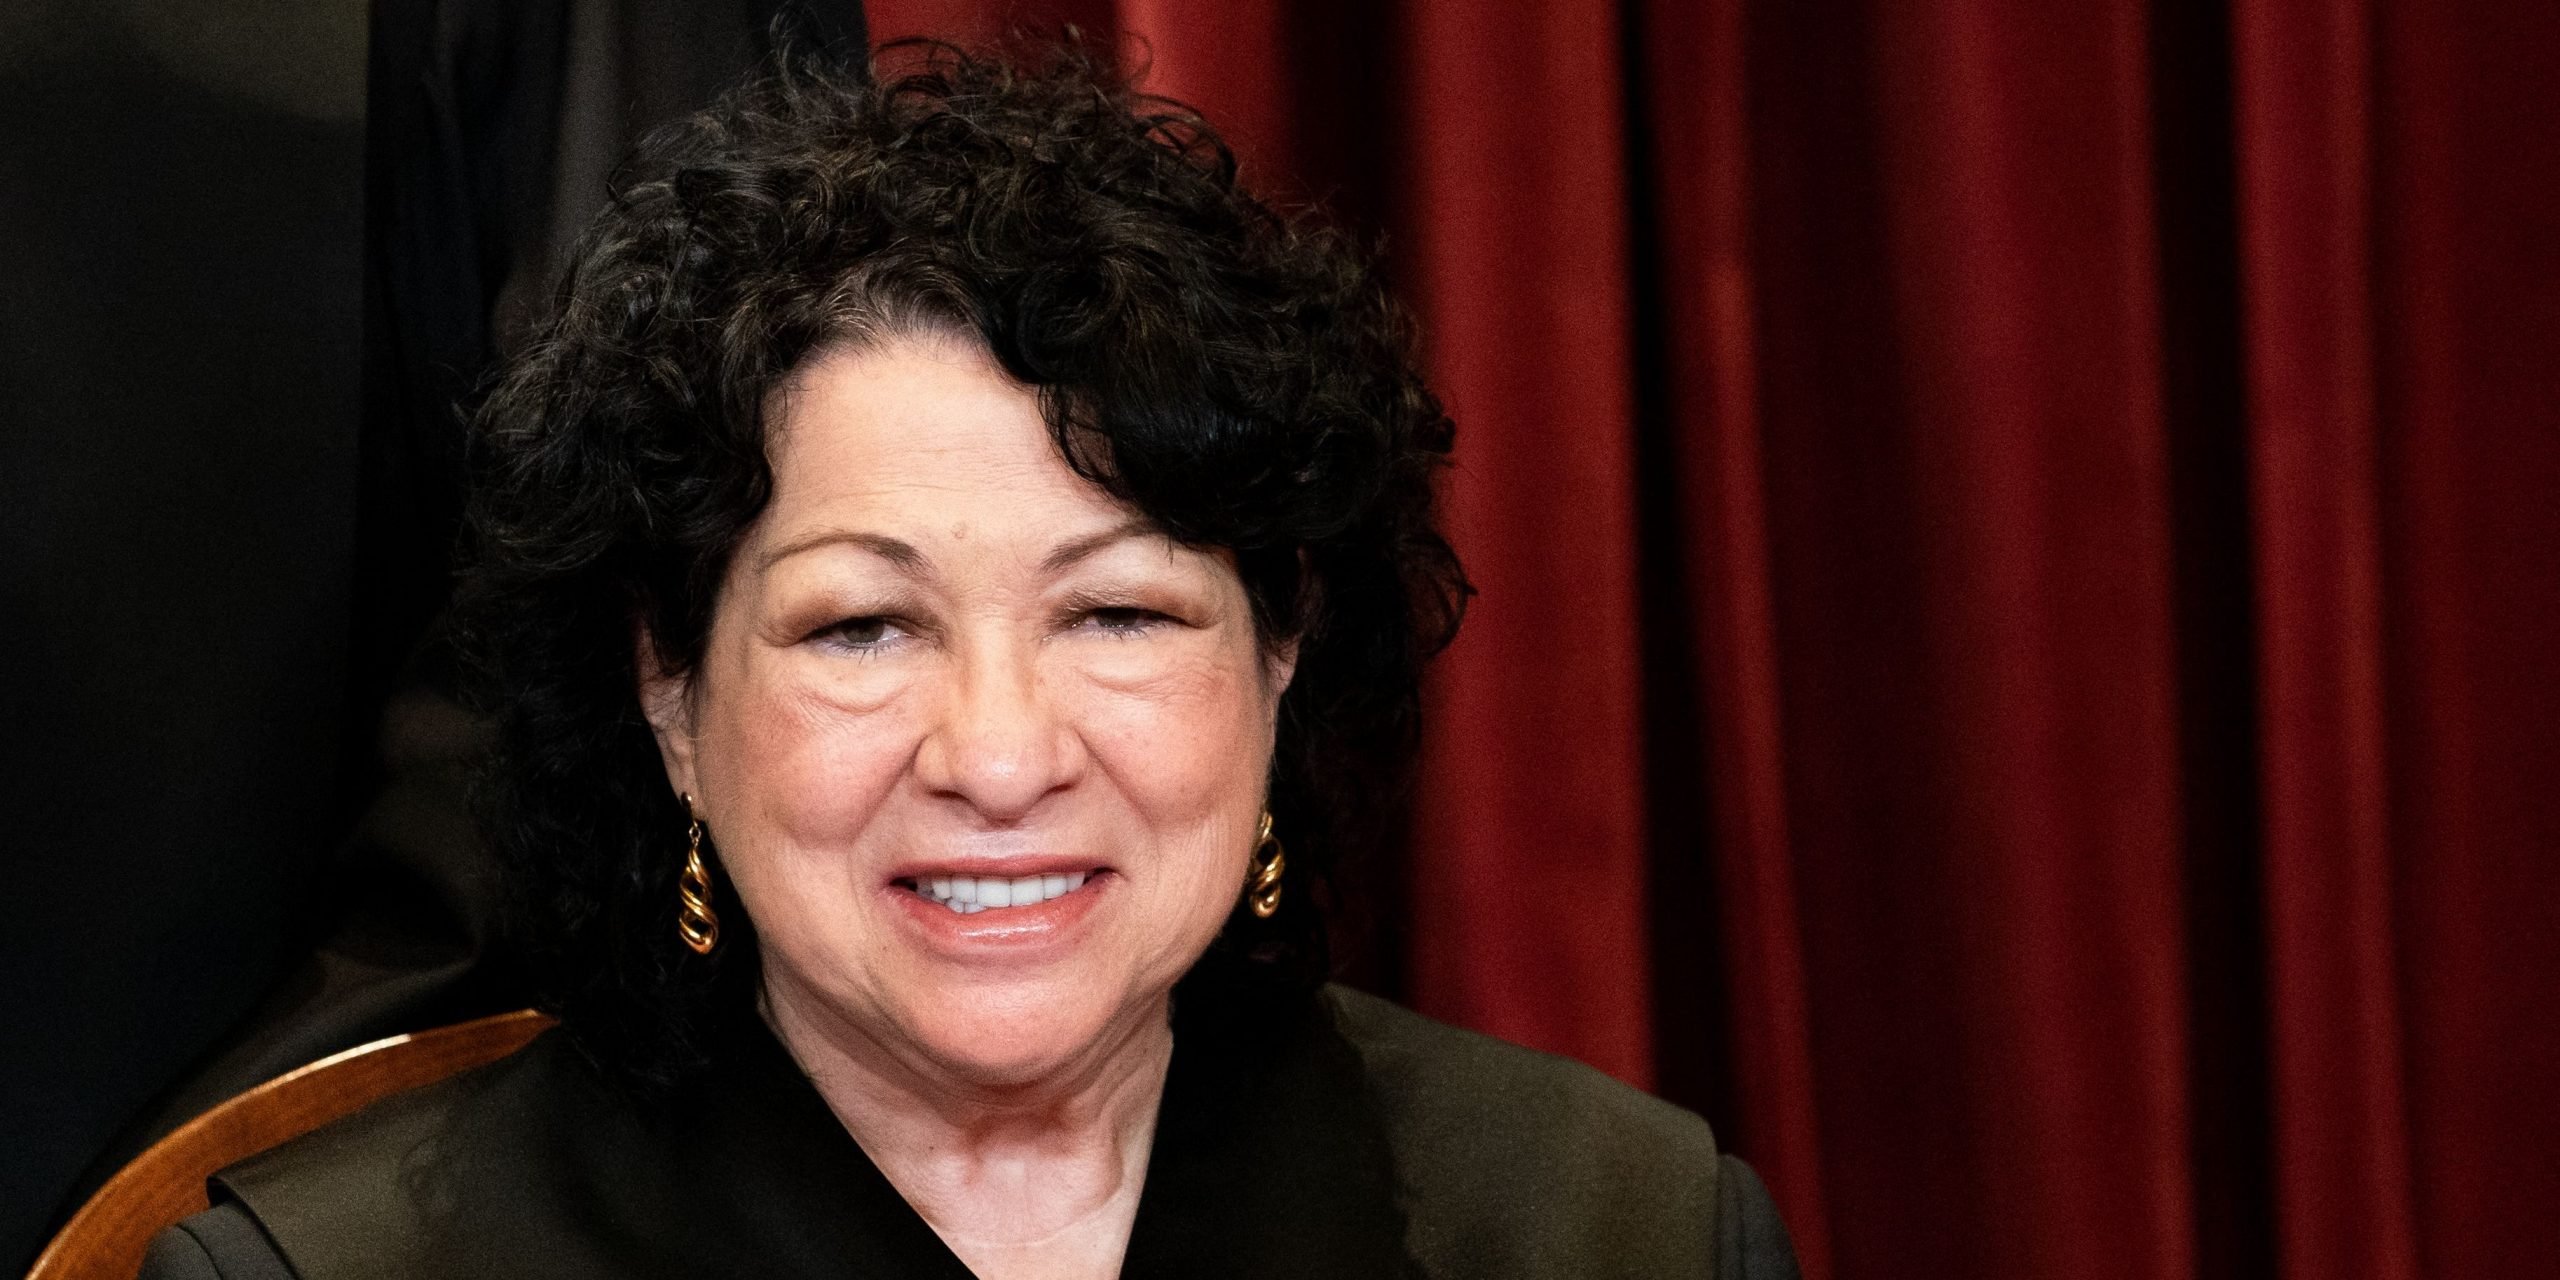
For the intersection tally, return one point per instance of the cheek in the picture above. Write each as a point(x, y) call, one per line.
point(1183, 739)
point(795, 776)
point(1189, 757)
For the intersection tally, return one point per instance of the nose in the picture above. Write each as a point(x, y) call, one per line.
point(999, 744)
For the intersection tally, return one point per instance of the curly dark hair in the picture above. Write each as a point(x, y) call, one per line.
point(1235, 374)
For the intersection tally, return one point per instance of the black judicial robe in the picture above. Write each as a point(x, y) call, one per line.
point(1336, 1135)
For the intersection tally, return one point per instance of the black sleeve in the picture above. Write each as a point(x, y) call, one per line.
point(221, 1243)
point(1751, 1243)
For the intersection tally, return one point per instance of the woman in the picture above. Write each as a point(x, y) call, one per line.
point(952, 577)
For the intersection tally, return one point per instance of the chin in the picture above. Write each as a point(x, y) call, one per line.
point(1014, 1034)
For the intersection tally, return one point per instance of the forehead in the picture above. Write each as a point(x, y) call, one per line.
point(921, 430)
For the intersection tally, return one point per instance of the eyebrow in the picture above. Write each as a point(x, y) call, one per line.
point(902, 555)
point(1068, 553)
point(908, 560)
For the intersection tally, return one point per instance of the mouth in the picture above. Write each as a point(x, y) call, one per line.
point(969, 895)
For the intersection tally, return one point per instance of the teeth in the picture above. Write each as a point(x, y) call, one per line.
point(970, 894)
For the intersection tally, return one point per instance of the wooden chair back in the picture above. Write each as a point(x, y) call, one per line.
point(107, 1238)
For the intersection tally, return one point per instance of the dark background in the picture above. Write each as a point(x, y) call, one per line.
point(2019, 558)
point(181, 205)
point(258, 252)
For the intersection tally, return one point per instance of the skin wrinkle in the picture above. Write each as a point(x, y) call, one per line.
point(1011, 1100)
point(913, 563)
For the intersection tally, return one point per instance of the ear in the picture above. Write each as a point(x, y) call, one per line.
point(668, 703)
point(1280, 661)
point(1279, 666)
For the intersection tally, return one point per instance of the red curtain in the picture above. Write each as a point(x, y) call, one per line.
point(2020, 549)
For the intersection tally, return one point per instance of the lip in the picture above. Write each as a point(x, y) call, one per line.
point(1005, 933)
point(997, 865)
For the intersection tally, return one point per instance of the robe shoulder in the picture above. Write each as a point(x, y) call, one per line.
point(1515, 1162)
point(428, 1182)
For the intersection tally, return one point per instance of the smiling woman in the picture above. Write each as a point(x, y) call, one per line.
point(948, 672)
point(945, 542)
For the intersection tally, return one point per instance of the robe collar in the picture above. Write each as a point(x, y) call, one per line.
point(1268, 1160)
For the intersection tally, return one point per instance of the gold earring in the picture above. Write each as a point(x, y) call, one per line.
point(1263, 891)
point(696, 923)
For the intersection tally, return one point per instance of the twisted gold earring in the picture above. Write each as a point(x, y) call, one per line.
point(1262, 893)
point(696, 923)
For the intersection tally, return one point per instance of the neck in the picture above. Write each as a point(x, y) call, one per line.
point(1020, 1178)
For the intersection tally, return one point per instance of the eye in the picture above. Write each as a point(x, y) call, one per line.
point(869, 634)
point(1120, 620)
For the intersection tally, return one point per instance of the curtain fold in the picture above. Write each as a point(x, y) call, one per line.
point(2400, 176)
point(1712, 607)
point(1529, 855)
point(2308, 195)
point(2021, 579)
point(1960, 376)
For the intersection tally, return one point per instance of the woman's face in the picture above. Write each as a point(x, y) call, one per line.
point(943, 667)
